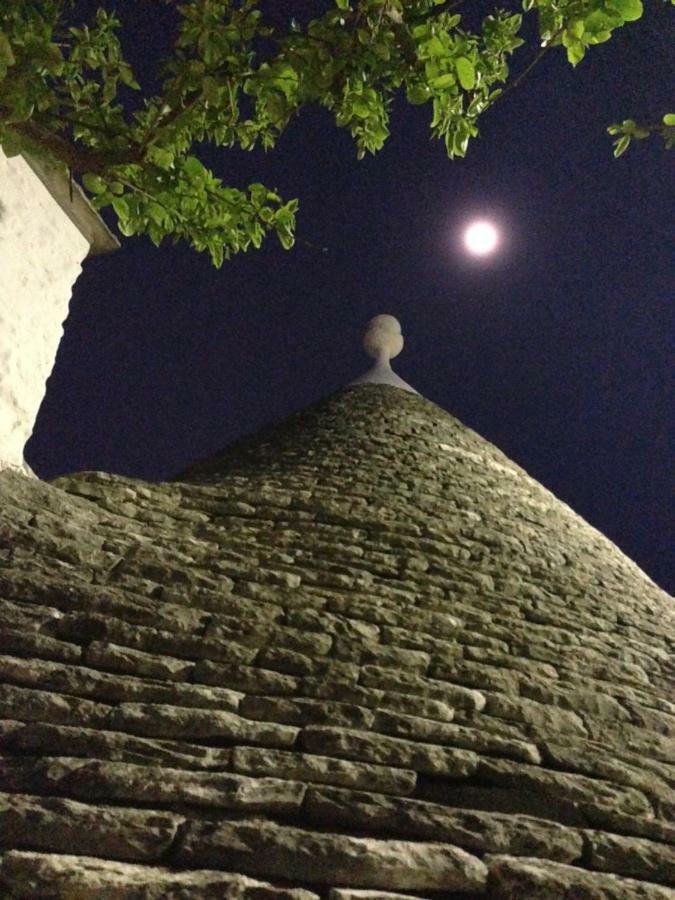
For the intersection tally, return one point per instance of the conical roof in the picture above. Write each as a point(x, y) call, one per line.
point(359, 655)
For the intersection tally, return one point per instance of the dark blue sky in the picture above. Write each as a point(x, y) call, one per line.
point(559, 350)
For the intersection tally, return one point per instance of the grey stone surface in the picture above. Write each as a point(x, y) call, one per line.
point(632, 856)
point(476, 831)
point(113, 781)
point(510, 879)
point(259, 847)
point(65, 826)
point(323, 769)
point(364, 627)
point(29, 875)
point(384, 750)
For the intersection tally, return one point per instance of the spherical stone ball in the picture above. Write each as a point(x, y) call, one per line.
point(383, 339)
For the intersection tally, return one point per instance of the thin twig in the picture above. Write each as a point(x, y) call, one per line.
point(526, 71)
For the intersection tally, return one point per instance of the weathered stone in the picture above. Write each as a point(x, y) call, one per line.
point(513, 879)
point(47, 706)
point(338, 626)
point(111, 688)
point(299, 711)
point(372, 697)
point(563, 786)
point(65, 826)
point(476, 831)
point(530, 668)
point(27, 618)
point(324, 769)
point(162, 720)
point(350, 894)
point(94, 779)
point(475, 675)
point(433, 732)
point(385, 750)
point(403, 682)
point(31, 643)
point(290, 662)
point(591, 759)
point(249, 679)
point(312, 645)
point(260, 847)
point(136, 662)
point(549, 721)
point(631, 856)
point(372, 653)
point(35, 738)
point(600, 705)
point(318, 573)
point(86, 627)
point(28, 875)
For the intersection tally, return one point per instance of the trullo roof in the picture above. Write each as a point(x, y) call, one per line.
point(360, 655)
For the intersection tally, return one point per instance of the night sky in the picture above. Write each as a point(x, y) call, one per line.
point(558, 349)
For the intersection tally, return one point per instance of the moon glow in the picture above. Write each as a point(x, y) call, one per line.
point(481, 238)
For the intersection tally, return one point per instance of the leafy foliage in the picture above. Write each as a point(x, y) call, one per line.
point(234, 80)
point(629, 131)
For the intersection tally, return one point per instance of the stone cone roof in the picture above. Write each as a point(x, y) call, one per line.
point(361, 655)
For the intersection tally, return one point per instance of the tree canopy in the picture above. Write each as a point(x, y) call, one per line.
point(235, 79)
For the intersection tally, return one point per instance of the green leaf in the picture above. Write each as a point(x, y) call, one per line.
point(621, 145)
point(418, 94)
point(6, 53)
point(669, 119)
point(161, 157)
point(599, 37)
point(382, 52)
point(630, 10)
point(465, 72)
point(54, 60)
point(11, 144)
point(127, 77)
point(435, 47)
point(193, 167)
point(93, 183)
point(157, 213)
point(575, 52)
point(443, 81)
point(126, 228)
point(576, 28)
point(121, 207)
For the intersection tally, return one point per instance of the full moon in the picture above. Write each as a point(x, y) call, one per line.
point(481, 238)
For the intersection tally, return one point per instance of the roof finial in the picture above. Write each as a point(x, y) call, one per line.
point(383, 341)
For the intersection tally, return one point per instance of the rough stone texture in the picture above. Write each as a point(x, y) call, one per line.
point(357, 656)
point(259, 847)
point(31, 875)
point(476, 831)
point(632, 856)
point(511, 879)
point(112, 781)
point(50, 823)
point(323, 769)
point(40, 255)
point(349, 894)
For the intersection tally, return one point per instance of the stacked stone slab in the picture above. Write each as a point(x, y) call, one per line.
point(361, 655)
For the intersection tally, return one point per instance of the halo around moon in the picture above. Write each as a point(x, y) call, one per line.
point(481, 238)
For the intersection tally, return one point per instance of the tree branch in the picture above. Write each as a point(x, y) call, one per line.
point(526, 71)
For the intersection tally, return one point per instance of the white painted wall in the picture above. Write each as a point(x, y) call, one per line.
point(41, 252)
